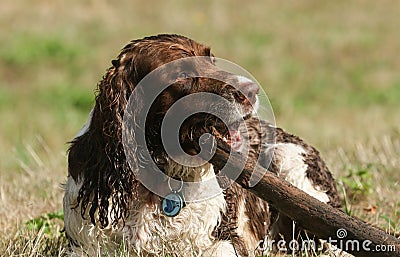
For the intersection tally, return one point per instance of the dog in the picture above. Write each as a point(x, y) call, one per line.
point(107, 206)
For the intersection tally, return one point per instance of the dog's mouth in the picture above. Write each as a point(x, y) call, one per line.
point(234, 139)
point(233, 136)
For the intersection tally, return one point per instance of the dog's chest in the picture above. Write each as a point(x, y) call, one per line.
point(190, 231)
point(154, 232)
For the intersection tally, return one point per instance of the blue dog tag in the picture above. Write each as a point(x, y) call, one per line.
point(172, 204)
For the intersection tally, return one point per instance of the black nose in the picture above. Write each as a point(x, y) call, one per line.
point(248, 91)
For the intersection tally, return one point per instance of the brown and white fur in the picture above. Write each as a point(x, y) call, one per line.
point(106, 207)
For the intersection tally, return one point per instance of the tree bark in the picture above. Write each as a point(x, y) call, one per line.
point(314, 216)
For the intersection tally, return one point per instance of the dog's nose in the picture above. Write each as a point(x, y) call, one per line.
point(248, 90)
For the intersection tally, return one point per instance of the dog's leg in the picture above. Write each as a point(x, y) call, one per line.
point(222, 249)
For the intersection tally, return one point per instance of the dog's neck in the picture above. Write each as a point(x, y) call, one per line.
point(187, 173)
point(200, 182)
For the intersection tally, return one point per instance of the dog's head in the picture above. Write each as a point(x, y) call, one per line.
point(97, 157)
point(184, 76)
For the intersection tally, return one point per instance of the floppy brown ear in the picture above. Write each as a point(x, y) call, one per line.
point(96, 159)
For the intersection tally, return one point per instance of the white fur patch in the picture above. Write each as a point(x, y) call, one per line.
point(242, 80)
point(85, 127)
point(256, 106)
point(221, 249)
point(293, 169)
point(243, 229)
point(80, 230)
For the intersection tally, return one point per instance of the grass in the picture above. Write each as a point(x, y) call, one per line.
point(330, 70)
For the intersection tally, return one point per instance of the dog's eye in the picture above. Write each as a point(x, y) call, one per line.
point(183, 75)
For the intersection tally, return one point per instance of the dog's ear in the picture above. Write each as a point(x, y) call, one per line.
point(96, 159)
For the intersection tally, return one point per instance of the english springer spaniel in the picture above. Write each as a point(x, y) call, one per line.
point(107, 207)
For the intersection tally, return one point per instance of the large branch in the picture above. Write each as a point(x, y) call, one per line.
point(316, 217)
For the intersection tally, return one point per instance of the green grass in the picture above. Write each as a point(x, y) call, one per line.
point(330, 70)
point(27, 50)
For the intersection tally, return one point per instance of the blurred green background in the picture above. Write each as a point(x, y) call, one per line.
point(330, 69)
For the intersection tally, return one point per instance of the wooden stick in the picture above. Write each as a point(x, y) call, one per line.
point(314, 216)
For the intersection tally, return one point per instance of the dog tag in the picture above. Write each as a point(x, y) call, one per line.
point(172, 204)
